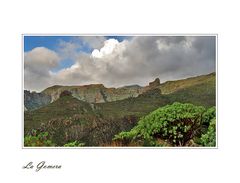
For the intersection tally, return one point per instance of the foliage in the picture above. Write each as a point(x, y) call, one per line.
point(209, 115)
point(209, 139)
point(68, 119)
point(35, 140)
point(176, 124)
point(74, 144)
point(63, 108)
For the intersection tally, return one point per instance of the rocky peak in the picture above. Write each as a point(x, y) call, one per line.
point(155, 83)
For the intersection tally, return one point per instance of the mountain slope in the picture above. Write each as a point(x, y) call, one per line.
point(173, 86)
point(203, 93)
point(98, 93)
point(63, 108)
point(68, 119)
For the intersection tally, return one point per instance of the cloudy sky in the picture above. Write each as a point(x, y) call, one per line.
point(114, 61)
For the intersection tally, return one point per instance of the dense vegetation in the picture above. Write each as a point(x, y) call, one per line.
point(175, 125)
point(38, 139)
point(43, 139)
point(68, 119)
point(209, 138)
point(71, 122)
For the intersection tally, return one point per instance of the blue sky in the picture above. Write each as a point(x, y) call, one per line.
point(52, 43)
point(48, 59)
point(119, 38)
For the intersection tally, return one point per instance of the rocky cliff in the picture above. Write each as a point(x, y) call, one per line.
point(94, 93)
point(98, 93)
point(34, 100)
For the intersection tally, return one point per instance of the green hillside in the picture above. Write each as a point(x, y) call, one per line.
point(63, 108)
point(69, 119)
point(201, 92)
point(173, 86)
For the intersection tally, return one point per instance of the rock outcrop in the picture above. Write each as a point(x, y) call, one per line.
point(94, 93)
point(34, 100)
point(155, 83)
point(98, 93)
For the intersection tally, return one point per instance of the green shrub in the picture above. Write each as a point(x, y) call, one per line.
point(176, 124)
point(209, 115)
point(74, 144)
point(36, 140)
point(209, 138)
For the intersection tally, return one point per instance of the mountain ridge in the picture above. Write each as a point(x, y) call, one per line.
point(98, 93)
point(68, 119)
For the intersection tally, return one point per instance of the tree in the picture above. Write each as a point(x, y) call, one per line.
point(174, 124)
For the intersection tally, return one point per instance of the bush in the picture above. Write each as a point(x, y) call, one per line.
point(176, 124)
point(209, 138)
point(38, 140)
point(209, 115)
point(74, 144)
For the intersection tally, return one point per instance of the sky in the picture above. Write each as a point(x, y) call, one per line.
point(114, 61)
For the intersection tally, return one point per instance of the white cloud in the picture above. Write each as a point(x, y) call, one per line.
point(162, 45)
point(41, 57)
point(107, 49)
point(94, 42)
point(140, 60)
point(68, 49)
point(37, 65)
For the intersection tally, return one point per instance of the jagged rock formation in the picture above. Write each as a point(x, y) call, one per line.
point(155, 83)
point(98, 93)
point(34, 100)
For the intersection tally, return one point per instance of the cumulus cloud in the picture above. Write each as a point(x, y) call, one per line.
point(108, 48)
point(68, 50)
point(37, 65)
point(140, 60)
point(95, 42)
